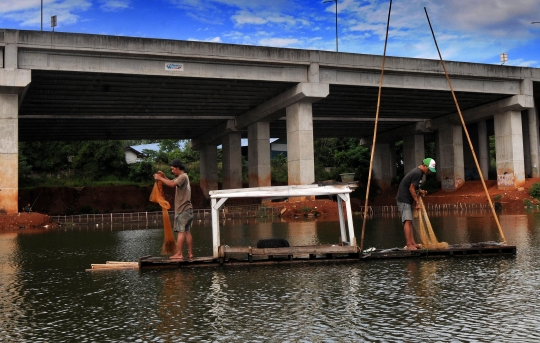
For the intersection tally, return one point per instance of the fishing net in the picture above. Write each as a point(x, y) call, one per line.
point(169, 243)
point(425, 232)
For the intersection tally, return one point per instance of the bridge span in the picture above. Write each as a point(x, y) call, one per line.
point(67, 86)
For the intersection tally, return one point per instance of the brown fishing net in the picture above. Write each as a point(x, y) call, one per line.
point(425, 231)
point(169, 243)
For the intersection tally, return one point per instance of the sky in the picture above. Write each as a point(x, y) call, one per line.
point(466, 30)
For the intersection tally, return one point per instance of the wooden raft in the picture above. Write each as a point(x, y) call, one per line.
point(305, 254)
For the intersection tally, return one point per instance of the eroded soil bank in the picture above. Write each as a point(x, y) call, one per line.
point(114, 199)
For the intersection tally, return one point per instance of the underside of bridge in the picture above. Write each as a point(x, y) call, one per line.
point(65, 106)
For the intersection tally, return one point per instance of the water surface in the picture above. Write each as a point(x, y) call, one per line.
point(48, 296)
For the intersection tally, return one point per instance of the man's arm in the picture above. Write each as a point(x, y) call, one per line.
point(412, 190)
point(160, 176)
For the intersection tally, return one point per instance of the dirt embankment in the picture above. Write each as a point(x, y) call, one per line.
point(111, 199)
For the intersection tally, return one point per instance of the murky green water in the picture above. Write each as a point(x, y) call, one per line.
point(48, 296)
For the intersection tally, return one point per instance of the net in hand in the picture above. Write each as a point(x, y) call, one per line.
point(169, 243)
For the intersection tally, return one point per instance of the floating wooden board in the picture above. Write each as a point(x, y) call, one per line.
point(309, 254)
point(452, 251)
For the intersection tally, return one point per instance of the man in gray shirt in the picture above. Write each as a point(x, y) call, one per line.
point(407, 197)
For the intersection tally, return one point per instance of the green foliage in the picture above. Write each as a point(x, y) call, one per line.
point(498, 197)
point(534, 191)
point(334, 156)
point(279, 169)
point(141, 172)
point(97, 159)
point(527, 203)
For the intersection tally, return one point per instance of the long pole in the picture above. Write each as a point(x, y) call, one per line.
point(375, 131)
point(41, 15)
point(466, 132)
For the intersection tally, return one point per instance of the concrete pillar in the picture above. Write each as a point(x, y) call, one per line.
point(384, 165)
point(450, 165)
point(300, 160)
point(9, 155)
point(209, 170)
point(509, 150)
point(232, 161)
point(533, 142)
point(413, 152)
point(483, 148)
point(259, 155)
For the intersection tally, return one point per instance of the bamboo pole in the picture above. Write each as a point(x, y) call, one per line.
point(375, 130)
point(466, 133)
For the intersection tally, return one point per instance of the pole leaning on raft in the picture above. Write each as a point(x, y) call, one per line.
point(375, 131)
point(466, 132)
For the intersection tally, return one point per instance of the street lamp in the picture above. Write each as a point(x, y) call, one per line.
point(325, 1)
point(504, 58)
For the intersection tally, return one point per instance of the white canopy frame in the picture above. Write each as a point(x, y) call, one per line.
point(340, 190)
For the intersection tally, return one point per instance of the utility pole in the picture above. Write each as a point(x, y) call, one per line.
point(325, 1)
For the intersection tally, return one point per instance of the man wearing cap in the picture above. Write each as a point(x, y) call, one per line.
point(407, 197)
point(183, 210)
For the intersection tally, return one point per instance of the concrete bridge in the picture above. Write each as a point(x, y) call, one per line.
point(64, 86)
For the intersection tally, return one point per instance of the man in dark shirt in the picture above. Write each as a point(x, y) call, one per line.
point(407, 197)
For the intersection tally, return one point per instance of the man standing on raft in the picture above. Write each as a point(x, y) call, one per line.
point(407, 197)
point(183, 210)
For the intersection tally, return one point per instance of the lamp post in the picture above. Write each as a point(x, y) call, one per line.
point(325, 1)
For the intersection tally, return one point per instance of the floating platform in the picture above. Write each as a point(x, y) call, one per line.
point(311, 254)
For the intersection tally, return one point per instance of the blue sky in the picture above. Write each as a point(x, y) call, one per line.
point(466, 30)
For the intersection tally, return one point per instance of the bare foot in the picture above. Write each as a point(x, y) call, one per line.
point(176, 257)
point(411, 247)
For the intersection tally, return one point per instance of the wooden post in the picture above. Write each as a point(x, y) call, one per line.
point(341, 221)
point(215, 228)
point(352, 239)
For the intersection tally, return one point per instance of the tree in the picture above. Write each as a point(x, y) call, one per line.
point(97, 159)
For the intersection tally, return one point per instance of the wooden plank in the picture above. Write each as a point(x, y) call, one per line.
point(306, 250)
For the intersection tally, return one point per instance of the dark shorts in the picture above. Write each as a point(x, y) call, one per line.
point(183, 220)
point(406, 211)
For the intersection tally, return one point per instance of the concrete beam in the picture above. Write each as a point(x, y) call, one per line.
point(214, 136)
point(14, 81)
point(305, 92)
point(395, 135)
point(513, 103)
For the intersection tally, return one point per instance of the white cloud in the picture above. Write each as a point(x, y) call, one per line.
point(30, 16)
point(114, 5)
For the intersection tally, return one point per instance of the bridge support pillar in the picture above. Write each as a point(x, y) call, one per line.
point(509, 150)
point(259, 155)
point(232, 161)
point(483, 148)
point(9, 155)
point(300, 160)
point(12, 84)
point(384, 165)
point(209, 172)
point(450, 165)
point(532, 158)
point(413, 152)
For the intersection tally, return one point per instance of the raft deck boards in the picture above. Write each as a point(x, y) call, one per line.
point(308, 254)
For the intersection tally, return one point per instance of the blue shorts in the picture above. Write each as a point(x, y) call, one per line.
point(406, 211)
point(183, 220)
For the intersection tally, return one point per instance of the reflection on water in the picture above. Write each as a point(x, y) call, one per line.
point(48, 296)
